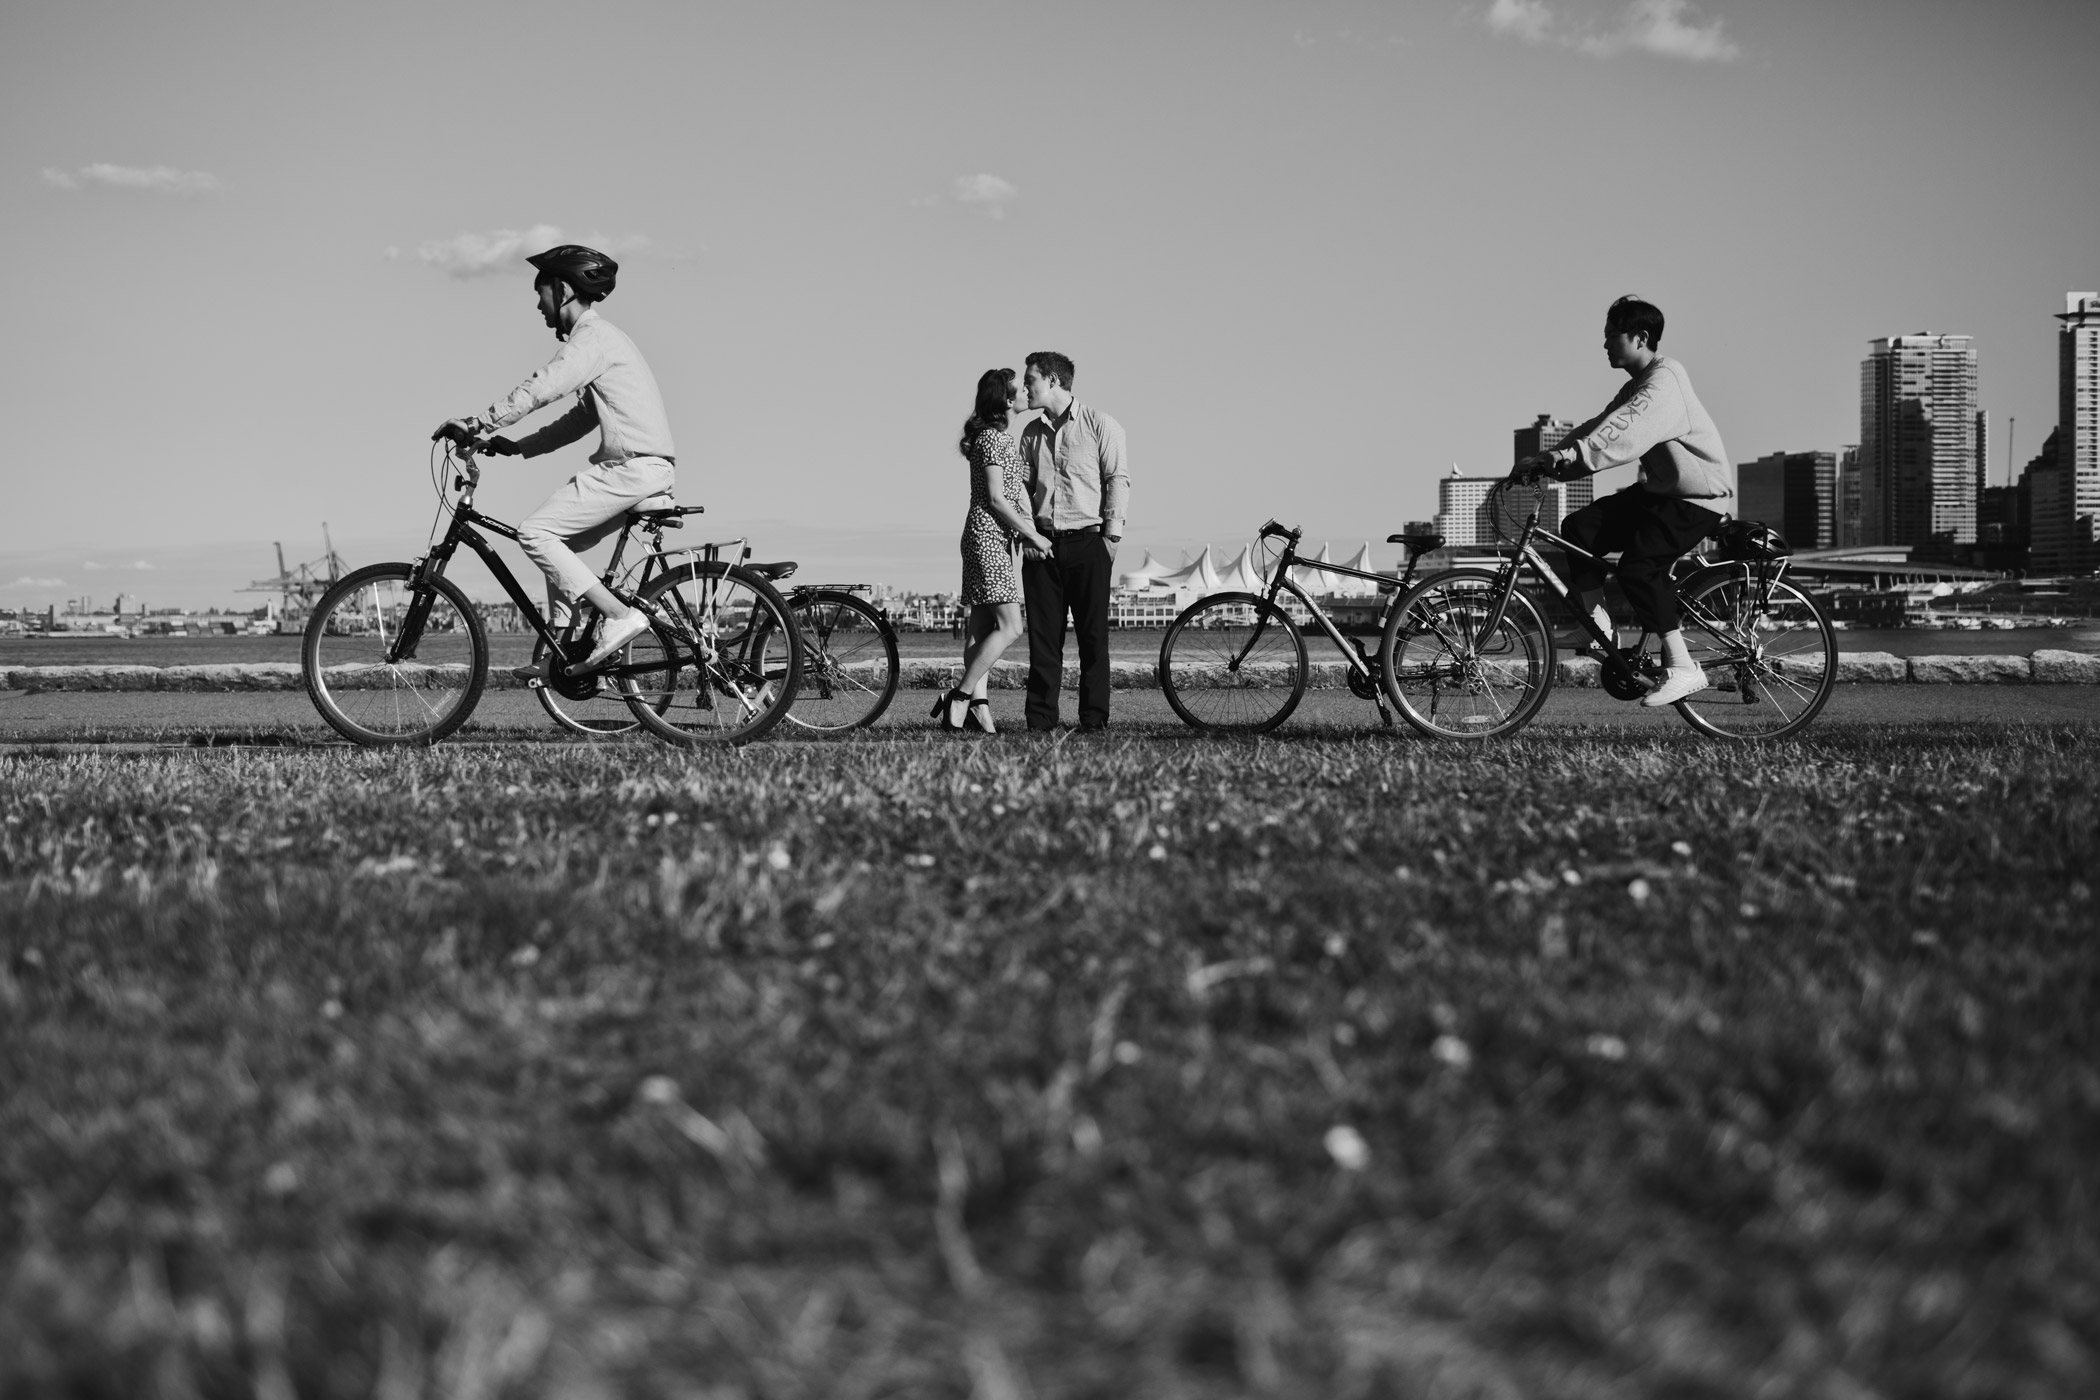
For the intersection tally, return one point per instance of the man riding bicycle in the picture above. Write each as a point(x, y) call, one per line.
point(1685, 486)
point(635, 460)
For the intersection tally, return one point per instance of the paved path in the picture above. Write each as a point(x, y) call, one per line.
point(33, 720)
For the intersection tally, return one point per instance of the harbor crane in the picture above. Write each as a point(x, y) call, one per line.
point(301, 586)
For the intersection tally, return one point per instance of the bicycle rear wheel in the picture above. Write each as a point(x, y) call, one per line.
point(1769, 654)
point(738, 657)
point(370, 688)
point(849, 661)
point(1448, 674)
point(1233, 663)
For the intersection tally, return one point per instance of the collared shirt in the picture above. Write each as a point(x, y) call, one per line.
point(615, 393)
point(1076, 473)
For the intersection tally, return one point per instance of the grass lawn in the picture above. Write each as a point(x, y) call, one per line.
point(1152, 1066)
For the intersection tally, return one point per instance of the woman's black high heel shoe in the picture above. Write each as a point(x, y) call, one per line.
point(942, 709)
point(972, 720)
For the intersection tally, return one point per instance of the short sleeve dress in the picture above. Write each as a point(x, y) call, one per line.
point(989, 574)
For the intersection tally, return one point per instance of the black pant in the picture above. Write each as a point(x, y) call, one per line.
point(1654, 532)
point(1075, 577)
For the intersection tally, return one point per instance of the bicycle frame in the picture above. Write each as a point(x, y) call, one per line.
point(1526, 552)
point(462, 531)
point(1284, 583)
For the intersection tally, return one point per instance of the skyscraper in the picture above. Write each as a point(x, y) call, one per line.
point(1793, 492)
point(1917, 449)
point(1543, 435)
point(2051, 503)
point(1459, 518)
point(1848, 527)
point(2078, 425)
point(1462, 517)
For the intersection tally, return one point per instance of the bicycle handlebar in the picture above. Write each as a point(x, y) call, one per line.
point(1280, 531)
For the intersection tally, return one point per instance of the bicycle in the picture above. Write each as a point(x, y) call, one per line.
point(395, 654)
point(850, 665)
point(1467, 654)
point(850, 668)
point(1235, 663)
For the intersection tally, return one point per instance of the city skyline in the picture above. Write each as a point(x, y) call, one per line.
point(1310, 255)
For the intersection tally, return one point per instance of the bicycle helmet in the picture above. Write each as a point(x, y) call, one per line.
point(589, 272)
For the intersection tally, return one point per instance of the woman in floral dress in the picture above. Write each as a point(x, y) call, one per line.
point(998, 524)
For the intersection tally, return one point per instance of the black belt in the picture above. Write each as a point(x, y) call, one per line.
point(1082, 530)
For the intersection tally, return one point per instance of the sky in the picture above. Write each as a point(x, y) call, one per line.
point(1311, 255)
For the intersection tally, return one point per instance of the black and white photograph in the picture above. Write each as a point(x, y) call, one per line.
point(1050, 700)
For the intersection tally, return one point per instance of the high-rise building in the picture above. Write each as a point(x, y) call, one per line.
point(1848, 523)
point(1462, 517)
point(1543, 435)
point(1793, 492)
point(1983, 453)
point(2078, 426)
point(2050, 507)
point(1917, 450)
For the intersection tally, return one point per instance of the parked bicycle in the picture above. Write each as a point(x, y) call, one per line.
point(394, 653)
point(850, 666)
point(1467, 654)
point(1235, 663)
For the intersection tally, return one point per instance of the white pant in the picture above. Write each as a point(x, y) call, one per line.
point(581, 514)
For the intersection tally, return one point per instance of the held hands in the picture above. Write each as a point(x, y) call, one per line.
point(459, 430)
point(501, 447)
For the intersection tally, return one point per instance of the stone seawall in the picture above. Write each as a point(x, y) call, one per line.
point(1856, 667)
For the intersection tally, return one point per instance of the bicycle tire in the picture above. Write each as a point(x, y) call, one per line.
point(366, 698)
point(1440, 675)
point(735, 641)
point(842, 687)
point(1221, 677)
point(605, 716)
point(1770, 655)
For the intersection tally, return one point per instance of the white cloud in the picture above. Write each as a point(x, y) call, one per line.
point(988, 192)
point(153, 179)
point(1529, 20)
point(25, 581)
point(500, 250)
point(1665, 28)
point(94, 567)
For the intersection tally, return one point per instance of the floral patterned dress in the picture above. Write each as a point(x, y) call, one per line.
point(989, 572)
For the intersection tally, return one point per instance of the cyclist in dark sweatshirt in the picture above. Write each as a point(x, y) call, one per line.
point(1685, 488)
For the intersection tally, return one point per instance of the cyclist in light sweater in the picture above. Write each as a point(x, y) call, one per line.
point(617, 395)
point(1685, 488)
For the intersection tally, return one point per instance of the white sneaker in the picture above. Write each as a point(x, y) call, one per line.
point(1677, 684)
point(614, 639)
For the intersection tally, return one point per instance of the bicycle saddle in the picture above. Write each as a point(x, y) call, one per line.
point(775, 572)
point(1420, 544)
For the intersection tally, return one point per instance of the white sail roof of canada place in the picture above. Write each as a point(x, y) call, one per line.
point(1361, 560)
point(1201, 576)
point(1313, 579)
point(1144, 573)
point(1242, 575)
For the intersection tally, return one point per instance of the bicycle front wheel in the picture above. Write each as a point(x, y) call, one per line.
point(738, 658)
point(373, 685)
point(1449, 674)
point(1769, 654)
point(849, 661)
point(1233, 663)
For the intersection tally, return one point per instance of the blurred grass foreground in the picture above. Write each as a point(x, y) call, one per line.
point(1145, 1067)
